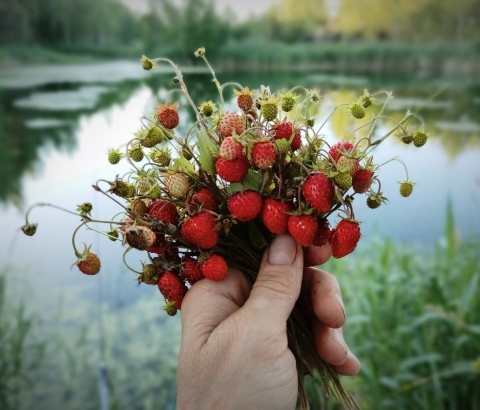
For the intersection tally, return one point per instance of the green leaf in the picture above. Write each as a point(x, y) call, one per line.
point(182, 164)
point(252, 180)
point(206, 148)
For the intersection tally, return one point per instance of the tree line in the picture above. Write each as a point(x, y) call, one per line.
point(108, 26)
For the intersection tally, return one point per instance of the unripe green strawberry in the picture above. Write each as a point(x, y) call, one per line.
point(406, 188)
point(366, 100)
point(112, 234)
point(186, 153)
point(161, 156)
point(343, 180)
point(374, 200)
point(135, 153)
point(287, 101)
point(150, 274)
point(310, 122)
point(154, 191)
point(406, 139)
point(147, 63)
point(177, 185)
point(123, 189)
point(170, 308)
point(114, 156)
point(207, 108)
point(29, 229)
point(419, 138)
point(357, 110)
point(154, 136)
point(85, 208)
point(138, 206)
point(269, 110)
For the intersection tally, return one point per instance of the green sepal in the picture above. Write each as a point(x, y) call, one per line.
point(256, 237)
point(182, 164)
point(252, 180)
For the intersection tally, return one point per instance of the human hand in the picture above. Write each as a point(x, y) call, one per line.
point(234, 352)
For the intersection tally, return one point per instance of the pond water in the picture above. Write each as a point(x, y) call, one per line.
point(58, 122)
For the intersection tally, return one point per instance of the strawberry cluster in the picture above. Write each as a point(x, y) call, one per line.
point(212, 197)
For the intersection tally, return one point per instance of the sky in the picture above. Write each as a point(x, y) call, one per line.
point(242, 9)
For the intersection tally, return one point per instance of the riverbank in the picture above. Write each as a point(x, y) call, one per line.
point(427, 59)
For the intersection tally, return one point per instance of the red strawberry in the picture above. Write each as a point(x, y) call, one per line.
point(362, 180)
point(345, 237)
point(204, 198)
point(214, 268)
point(233, 170)
point(340, 148)
point(190, 270)
point(263, 154)
point(230, 148)
point(285, 130)
point(172, 288)
point(167, 115)
point(296, 142)
point(200, 230)
point(303, 228)
point(163, 210)
point(89, 263)
point(245, 99)
point(275, 216)
point(323, 233)
point(229, 123)
point(318, 192)
point(246, 205)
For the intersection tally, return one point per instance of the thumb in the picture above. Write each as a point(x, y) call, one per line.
point(279, 280)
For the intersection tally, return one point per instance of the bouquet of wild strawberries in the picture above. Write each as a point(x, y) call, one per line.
point(215, 196)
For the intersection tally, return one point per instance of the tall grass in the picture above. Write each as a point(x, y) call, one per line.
point(414, 323)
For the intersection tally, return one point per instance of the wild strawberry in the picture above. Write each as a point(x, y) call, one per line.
point(172, 288)
point(29, 229)
point(366, 99)
point(122, 189)
point(362, 180)
point(114, 156)
point(200, 230)
point(203, 198)
point(357, 110)
point(288, 101)
point(186, 152)
point(374, 200)
point(245, 205)
point(207, 108)
point(161, 156)
point(263, 154)
point(419, 139)
point(177, 184)
point(348, 164)
point(323, 234)
point(154, 136)
point(139, 236)
point(233, 170)
point(214, 267)
point(343, 180)
point(303, 228)
point(150, 274)
point(275, 215)
point(170, 308)
point(269, 109)
point(190, 270)
point(112, 234)
point(163, 210)
point(406, 188)
point(345, 237)
point(318, 191)
point(88, 263)
point(167, 115)
point(138, 206)
point(284, 130)
point(229, 123)
point(340, 148)
point(230, 149)
point(296, 141)
point(245, 99)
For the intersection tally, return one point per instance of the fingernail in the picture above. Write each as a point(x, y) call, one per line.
point(282, 250)
point(339, 299)
point(337, 336)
